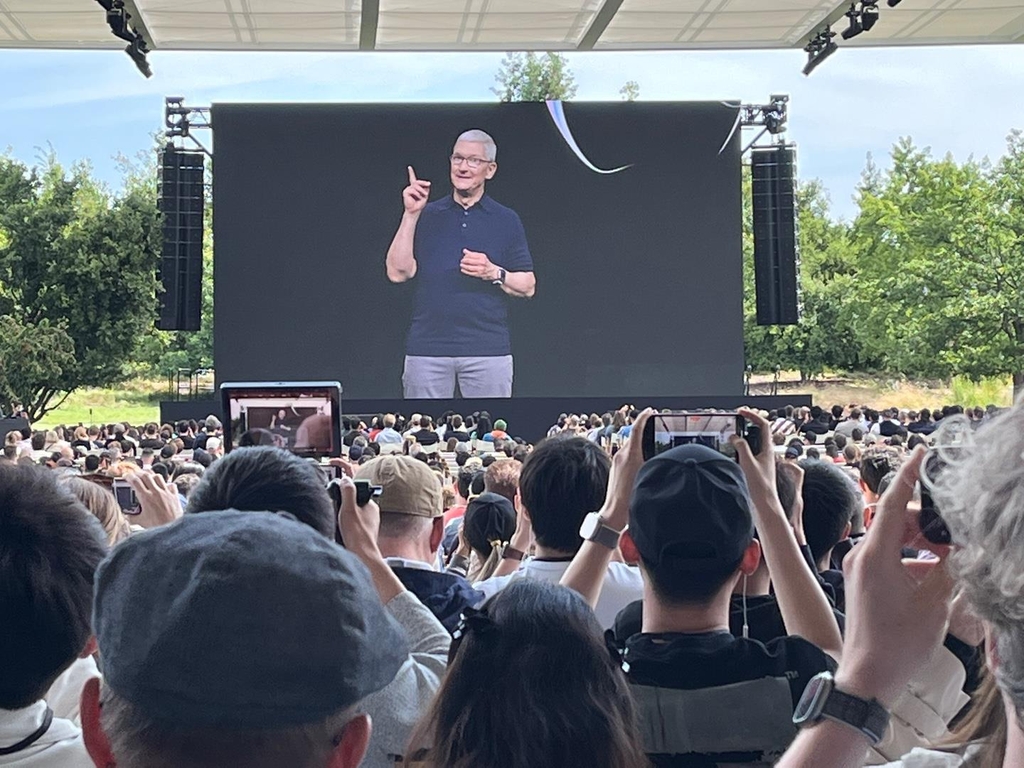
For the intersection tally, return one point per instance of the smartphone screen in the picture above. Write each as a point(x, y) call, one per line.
point(713, 429)
point(930, 521)
point(126, 498)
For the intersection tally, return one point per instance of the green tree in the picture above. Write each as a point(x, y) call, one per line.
point(534, 77)
point(77, 274)
point(630, 91)
point(941, 265)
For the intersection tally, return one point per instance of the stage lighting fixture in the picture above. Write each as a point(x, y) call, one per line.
point(855, 26)
point(119, 21)
point(819, 48)
point(776, 114)
point(868, 15)
point(137, 51)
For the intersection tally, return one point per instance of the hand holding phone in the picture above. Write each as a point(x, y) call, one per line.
point(358, 514)
point(713, 429)
point(158, 500)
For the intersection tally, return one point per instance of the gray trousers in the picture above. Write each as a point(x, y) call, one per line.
point(435, 377)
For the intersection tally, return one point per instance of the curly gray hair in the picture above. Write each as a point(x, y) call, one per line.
point(981, 497)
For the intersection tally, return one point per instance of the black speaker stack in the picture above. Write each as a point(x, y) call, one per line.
point(776, 261)
point(182, 198)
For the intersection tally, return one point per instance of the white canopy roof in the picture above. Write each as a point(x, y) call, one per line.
point(499, 25)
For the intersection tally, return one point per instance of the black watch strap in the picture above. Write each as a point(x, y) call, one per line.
point(866, 715)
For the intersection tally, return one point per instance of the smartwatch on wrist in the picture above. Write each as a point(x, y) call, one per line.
point(501, 277)
point(595, 529)
point(821, 699)
point(511, 553)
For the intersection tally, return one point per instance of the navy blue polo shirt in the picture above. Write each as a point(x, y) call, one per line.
point(455, 315)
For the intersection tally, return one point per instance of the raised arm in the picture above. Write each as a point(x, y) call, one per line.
point(805, 610)
point(896, 618)
point(401, 260)
point(586, 572)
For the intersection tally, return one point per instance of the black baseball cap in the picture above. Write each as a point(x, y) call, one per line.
point(241, 620)
point(489, 517)
point(690, 510)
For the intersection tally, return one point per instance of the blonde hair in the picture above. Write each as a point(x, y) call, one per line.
point(984, 726)
point(479, 568)
point(103, 506)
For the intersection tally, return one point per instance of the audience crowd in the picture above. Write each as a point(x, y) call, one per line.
point(847, 591)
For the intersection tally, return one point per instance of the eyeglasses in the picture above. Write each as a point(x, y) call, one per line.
point(472, 162)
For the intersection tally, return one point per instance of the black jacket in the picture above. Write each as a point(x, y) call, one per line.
point(447, 595)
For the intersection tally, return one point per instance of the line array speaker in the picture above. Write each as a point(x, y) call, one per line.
point(181, 259)
point(776, 261)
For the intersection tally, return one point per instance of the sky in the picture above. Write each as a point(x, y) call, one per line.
point(94, 105)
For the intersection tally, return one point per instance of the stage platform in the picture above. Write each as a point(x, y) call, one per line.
point(527, 417)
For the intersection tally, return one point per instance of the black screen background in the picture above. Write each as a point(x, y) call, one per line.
point(639, 274)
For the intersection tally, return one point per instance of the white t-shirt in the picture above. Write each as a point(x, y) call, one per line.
point(60, 747)
point(846, 428)
point(66, 692)
point(622, 585)
point(929, 758)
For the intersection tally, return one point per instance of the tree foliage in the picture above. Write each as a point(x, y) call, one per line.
point(927, 281)
point(941, 257)
point(630, 91)
point(77, 275)
point(534, 77)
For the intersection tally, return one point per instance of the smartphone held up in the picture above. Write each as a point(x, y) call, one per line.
point(713, 429)
point(933, 527)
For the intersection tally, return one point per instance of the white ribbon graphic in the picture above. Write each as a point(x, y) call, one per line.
point(556, 108)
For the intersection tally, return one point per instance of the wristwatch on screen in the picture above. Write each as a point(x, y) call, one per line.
point(594, 529)
point(501, 277)
point(822, 699)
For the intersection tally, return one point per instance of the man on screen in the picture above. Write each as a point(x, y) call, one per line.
point(469, 253)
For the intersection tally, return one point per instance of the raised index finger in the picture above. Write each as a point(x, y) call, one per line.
point(412, 175)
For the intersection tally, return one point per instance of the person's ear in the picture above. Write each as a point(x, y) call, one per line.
point(96, 742)
point(351, 743)
point(436, 533)
point(91, 647)
point(491, 170)
point(628, 547)
point(751, 558)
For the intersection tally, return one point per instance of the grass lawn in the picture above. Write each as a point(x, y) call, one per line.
point(136, 402)
point(881, 392)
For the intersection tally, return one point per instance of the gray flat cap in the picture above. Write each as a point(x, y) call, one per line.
point(241, 620)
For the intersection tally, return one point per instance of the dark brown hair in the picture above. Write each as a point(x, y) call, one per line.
point(531, 676)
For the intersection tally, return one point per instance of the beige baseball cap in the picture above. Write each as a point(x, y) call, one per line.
point(410, 487)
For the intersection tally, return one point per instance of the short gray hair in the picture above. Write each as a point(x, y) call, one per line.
point(480, 137)
point(140, 741)
point(981, 496)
